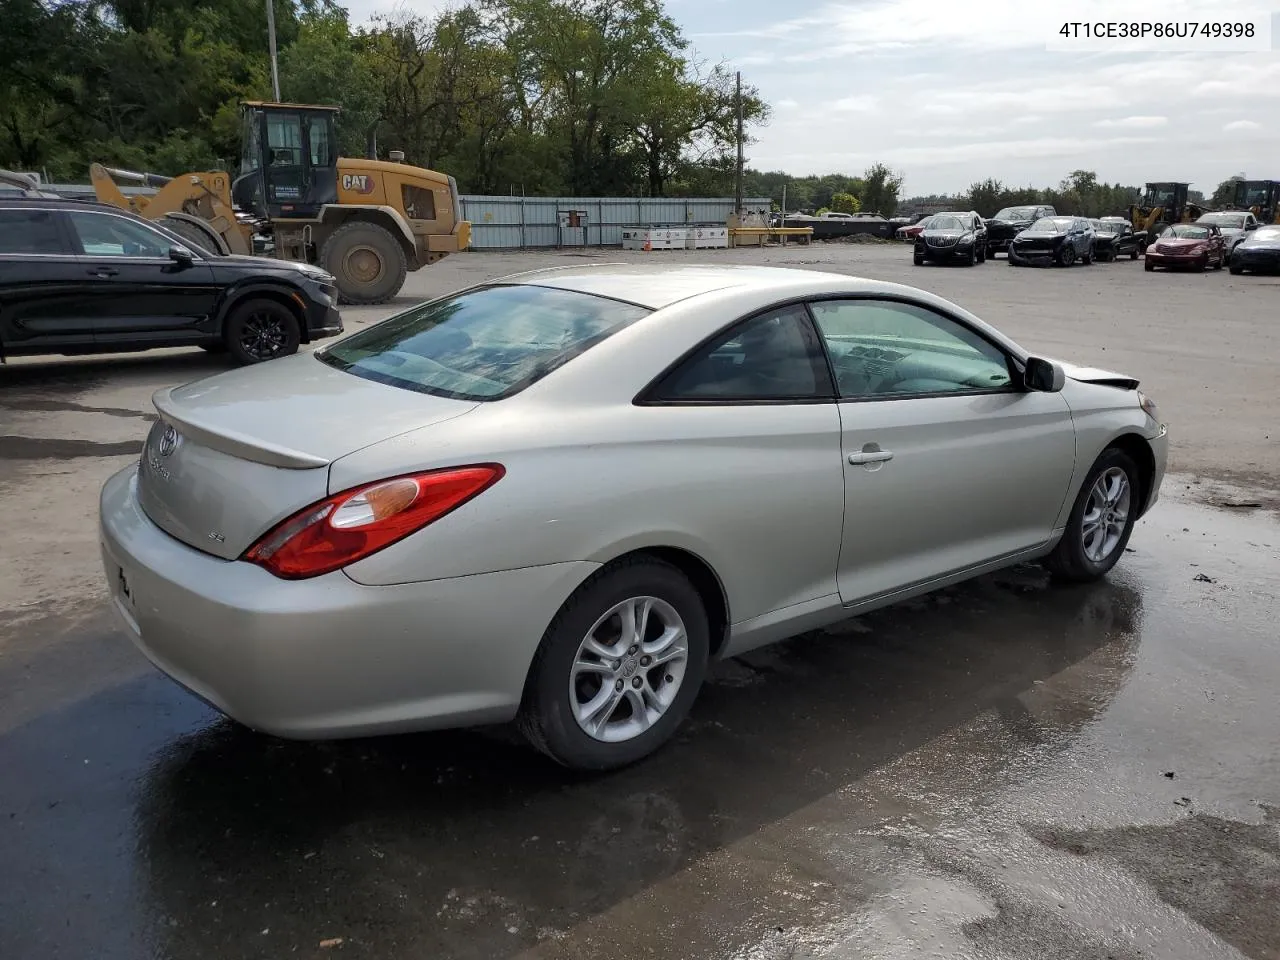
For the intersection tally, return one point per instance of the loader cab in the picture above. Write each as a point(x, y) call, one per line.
point(1170, 197)
point(1260, 196)
point(288, 160)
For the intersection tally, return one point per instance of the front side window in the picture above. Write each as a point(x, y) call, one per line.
point(104, 235)
point(29, 231)
point(284, 140)
point(483, 344)
point(771, 357)
point(884, 350)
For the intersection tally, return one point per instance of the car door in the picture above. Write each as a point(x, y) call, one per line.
point(749, 424)
point(136, 292)
point(949, 462)
point(39, 276)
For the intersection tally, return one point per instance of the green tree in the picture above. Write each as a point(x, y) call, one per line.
point(845, 203)
point(880, 193)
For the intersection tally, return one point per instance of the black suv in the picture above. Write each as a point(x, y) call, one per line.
point(79, 277)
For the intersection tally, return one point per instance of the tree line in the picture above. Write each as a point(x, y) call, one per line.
point(581, 97)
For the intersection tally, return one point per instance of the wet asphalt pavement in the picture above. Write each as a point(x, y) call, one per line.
point(1006, 769)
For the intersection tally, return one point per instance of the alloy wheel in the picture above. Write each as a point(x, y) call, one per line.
point(628, 669)
point(1106, 515)
point(263, 335)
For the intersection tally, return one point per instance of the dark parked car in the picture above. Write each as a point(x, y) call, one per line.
point(1113, 237)
point(1050, 240)
point(1259, 254)
point(952, 237)
point(1194, 245)
point(78, 277)
point(1009, 222)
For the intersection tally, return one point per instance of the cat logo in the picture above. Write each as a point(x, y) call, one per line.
point(357, 182)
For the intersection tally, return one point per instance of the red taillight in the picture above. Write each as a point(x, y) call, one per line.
point(351, 525)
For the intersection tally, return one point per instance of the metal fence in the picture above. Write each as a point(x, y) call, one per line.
point(512, 223)
point(515, 223)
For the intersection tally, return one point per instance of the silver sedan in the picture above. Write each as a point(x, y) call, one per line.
point(557, 496)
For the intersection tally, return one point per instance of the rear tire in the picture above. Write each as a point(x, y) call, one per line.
point(1096, 533)
point(556, 694)
point(1133, 254)
point(261, 330)
point(367, 260)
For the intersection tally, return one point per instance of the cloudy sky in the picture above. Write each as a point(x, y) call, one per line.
point(953, 92)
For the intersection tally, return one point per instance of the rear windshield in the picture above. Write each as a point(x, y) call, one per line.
point(484, 344)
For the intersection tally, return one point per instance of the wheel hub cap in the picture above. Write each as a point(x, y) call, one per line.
point(363, 265)
point(628, 669)
point(1106, 514)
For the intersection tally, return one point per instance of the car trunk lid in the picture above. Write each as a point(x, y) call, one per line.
point(236, 453)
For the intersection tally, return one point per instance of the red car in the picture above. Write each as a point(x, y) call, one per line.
point(913, 231)
point(1197, 245)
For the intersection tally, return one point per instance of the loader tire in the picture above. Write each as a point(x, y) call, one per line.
point(203, 239)
point(367, 260)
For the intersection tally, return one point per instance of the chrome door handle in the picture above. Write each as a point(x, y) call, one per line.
point(870, 456)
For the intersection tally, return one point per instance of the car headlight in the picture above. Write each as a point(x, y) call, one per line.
point(967, 238)
point(1148, 406)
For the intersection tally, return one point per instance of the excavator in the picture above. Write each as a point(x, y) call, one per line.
point(367, 222)
point(1260, 197)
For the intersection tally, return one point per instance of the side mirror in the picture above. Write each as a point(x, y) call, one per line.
point(1043, 376)
point(181, 255)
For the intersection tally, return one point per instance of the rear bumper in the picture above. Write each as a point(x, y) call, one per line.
point(325, 657)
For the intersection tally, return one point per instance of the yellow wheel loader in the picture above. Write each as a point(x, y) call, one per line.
point(368, 222)
point(1261, 197)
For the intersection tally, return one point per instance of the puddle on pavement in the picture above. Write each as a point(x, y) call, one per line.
point(976, 773)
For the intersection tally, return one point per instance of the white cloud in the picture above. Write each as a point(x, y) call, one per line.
point(786, 103)
point(1132, 123)
point(855, 104)
point(1236, 125)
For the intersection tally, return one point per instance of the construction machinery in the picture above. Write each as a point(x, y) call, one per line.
point(367, 222)
point(1260, 197)
point(1163, 204)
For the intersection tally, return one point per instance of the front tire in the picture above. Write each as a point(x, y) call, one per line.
point(917, 259)
point(367, 261)
point(618, 668)
point(1148, 266)
point(261, 330)
point(1101, 520)
point(1235, 270)
point(1067, 255)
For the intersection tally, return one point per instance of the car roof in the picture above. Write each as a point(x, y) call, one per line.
point(658, 285)
point(64, 203)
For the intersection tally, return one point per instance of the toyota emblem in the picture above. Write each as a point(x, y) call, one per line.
point(168, 441)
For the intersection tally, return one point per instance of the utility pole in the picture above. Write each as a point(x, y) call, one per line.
point(271, 40)
point(738, 179)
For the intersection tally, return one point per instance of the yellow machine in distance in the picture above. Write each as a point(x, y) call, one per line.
point(1260, 197)
point(368, 222)
point(1163, 203)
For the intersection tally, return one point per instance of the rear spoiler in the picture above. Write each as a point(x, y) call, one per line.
point(232, 443)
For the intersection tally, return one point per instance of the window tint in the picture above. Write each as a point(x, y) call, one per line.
point(484, 344)
point(774, 356)
point(419, 203)
point(104, 235)
point(29, 231)
point(881, 349)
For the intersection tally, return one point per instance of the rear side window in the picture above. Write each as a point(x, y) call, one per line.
point(419, 204)
point(29, 231)
point(484, 344)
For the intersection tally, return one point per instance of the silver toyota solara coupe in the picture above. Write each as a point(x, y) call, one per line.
point(557, 496)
